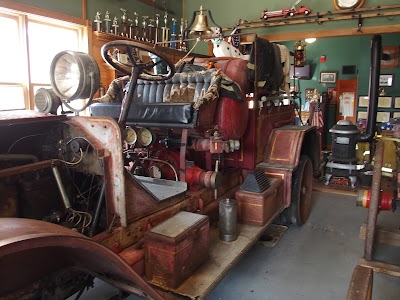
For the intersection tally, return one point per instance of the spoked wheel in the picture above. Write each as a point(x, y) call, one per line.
point(141, 57)
point(302, 180)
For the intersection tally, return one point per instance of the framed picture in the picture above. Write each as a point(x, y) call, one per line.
point(328, 77)
point(332, 95)
point(382, 116)
point(309, 94)
point(390, 57)
point(386, 79)
point(385, 102)
point(396, 102)
point(363, 101)
point(362, 115)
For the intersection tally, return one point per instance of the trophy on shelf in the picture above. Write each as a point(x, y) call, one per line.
point(124, 18)
point(173, 33)
point(165, 30)
point(144, 28)
point(130, 29)
point(136, 31)
point(157, 29)
point(107, 22)
point(151, 31)
point(185, 36)
point(97, 21)
point(115, 26)
point(181, 44)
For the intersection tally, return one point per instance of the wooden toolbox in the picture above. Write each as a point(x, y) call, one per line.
point(175, 248)
point(258, 208)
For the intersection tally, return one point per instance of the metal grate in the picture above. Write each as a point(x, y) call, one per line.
point(257, 182)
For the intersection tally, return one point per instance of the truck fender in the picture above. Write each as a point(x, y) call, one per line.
point(285, 146)
point(32, 249)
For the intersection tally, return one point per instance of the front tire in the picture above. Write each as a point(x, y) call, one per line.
point(302, 180)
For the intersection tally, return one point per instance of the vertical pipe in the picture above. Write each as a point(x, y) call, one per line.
point(61, 187)
point(375, 70)
point(126, 102)
point(374, 203)
point(99, 207)
point(182, 156)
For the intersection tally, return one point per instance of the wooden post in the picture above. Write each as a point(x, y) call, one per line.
point(84, 9)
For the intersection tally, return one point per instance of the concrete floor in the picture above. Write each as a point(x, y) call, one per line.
point(314, 261)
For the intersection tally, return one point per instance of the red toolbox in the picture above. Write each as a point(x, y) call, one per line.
point(258, 208)
point(175, 248)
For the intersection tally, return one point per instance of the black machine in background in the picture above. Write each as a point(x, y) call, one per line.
point(345, 135)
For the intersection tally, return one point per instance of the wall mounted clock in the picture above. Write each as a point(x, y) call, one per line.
point(348, 4)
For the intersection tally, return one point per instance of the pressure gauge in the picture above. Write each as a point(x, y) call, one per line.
point(131, 136)
point(145, 137)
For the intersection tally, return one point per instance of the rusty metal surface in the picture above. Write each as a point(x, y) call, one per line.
point(374, 204)
point(104, 133)
point(29, 167)
point(257, 209)
point(282, 173)
point(46, 248)
point(361, 284)
point(27, 117)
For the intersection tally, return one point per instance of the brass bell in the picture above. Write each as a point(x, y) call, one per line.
point(201, 24)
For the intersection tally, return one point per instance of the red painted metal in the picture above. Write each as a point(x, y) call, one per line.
point(208, 179)
point(105, 135)
point(228, 113)
point(132, 211)
point(385, 199)
point(256, 138)
point(46, 248)
point(176, 248)
point(258, 209)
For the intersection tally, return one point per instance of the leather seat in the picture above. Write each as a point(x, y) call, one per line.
point(162, 103)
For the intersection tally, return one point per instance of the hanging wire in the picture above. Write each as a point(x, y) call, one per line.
point(24, 137)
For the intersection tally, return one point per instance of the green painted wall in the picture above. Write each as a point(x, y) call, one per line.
point(227, 12)
point(74, 7)
point(342, 51)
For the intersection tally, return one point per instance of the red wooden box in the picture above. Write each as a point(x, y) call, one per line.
point(258, 208)
point(175, 248)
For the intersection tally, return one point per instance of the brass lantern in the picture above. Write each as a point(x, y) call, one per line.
point(299, 54)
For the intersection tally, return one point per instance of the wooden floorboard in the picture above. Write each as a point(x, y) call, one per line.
point(392, 270)
point(383, 236)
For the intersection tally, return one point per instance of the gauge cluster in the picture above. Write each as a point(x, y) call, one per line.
point(143, 136)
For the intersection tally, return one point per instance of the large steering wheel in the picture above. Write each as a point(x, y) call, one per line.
point(136, 68)
point(133, 49)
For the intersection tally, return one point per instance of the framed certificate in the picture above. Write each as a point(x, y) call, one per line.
point(363, 101)
point(382, 116)
point(396, 102)
point(362, 115)
point(385, 102)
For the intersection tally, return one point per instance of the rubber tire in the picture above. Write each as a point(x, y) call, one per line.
point(302, 179)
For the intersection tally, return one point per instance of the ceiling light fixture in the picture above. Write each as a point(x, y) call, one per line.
point(310, 40)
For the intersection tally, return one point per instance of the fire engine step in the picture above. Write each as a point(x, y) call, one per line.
point(162, 189)
point(223, 256)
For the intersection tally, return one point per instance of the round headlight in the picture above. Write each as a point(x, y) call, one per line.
point(74, 75)
point(47, 101)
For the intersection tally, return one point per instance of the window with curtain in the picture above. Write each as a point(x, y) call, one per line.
point(30, 43)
